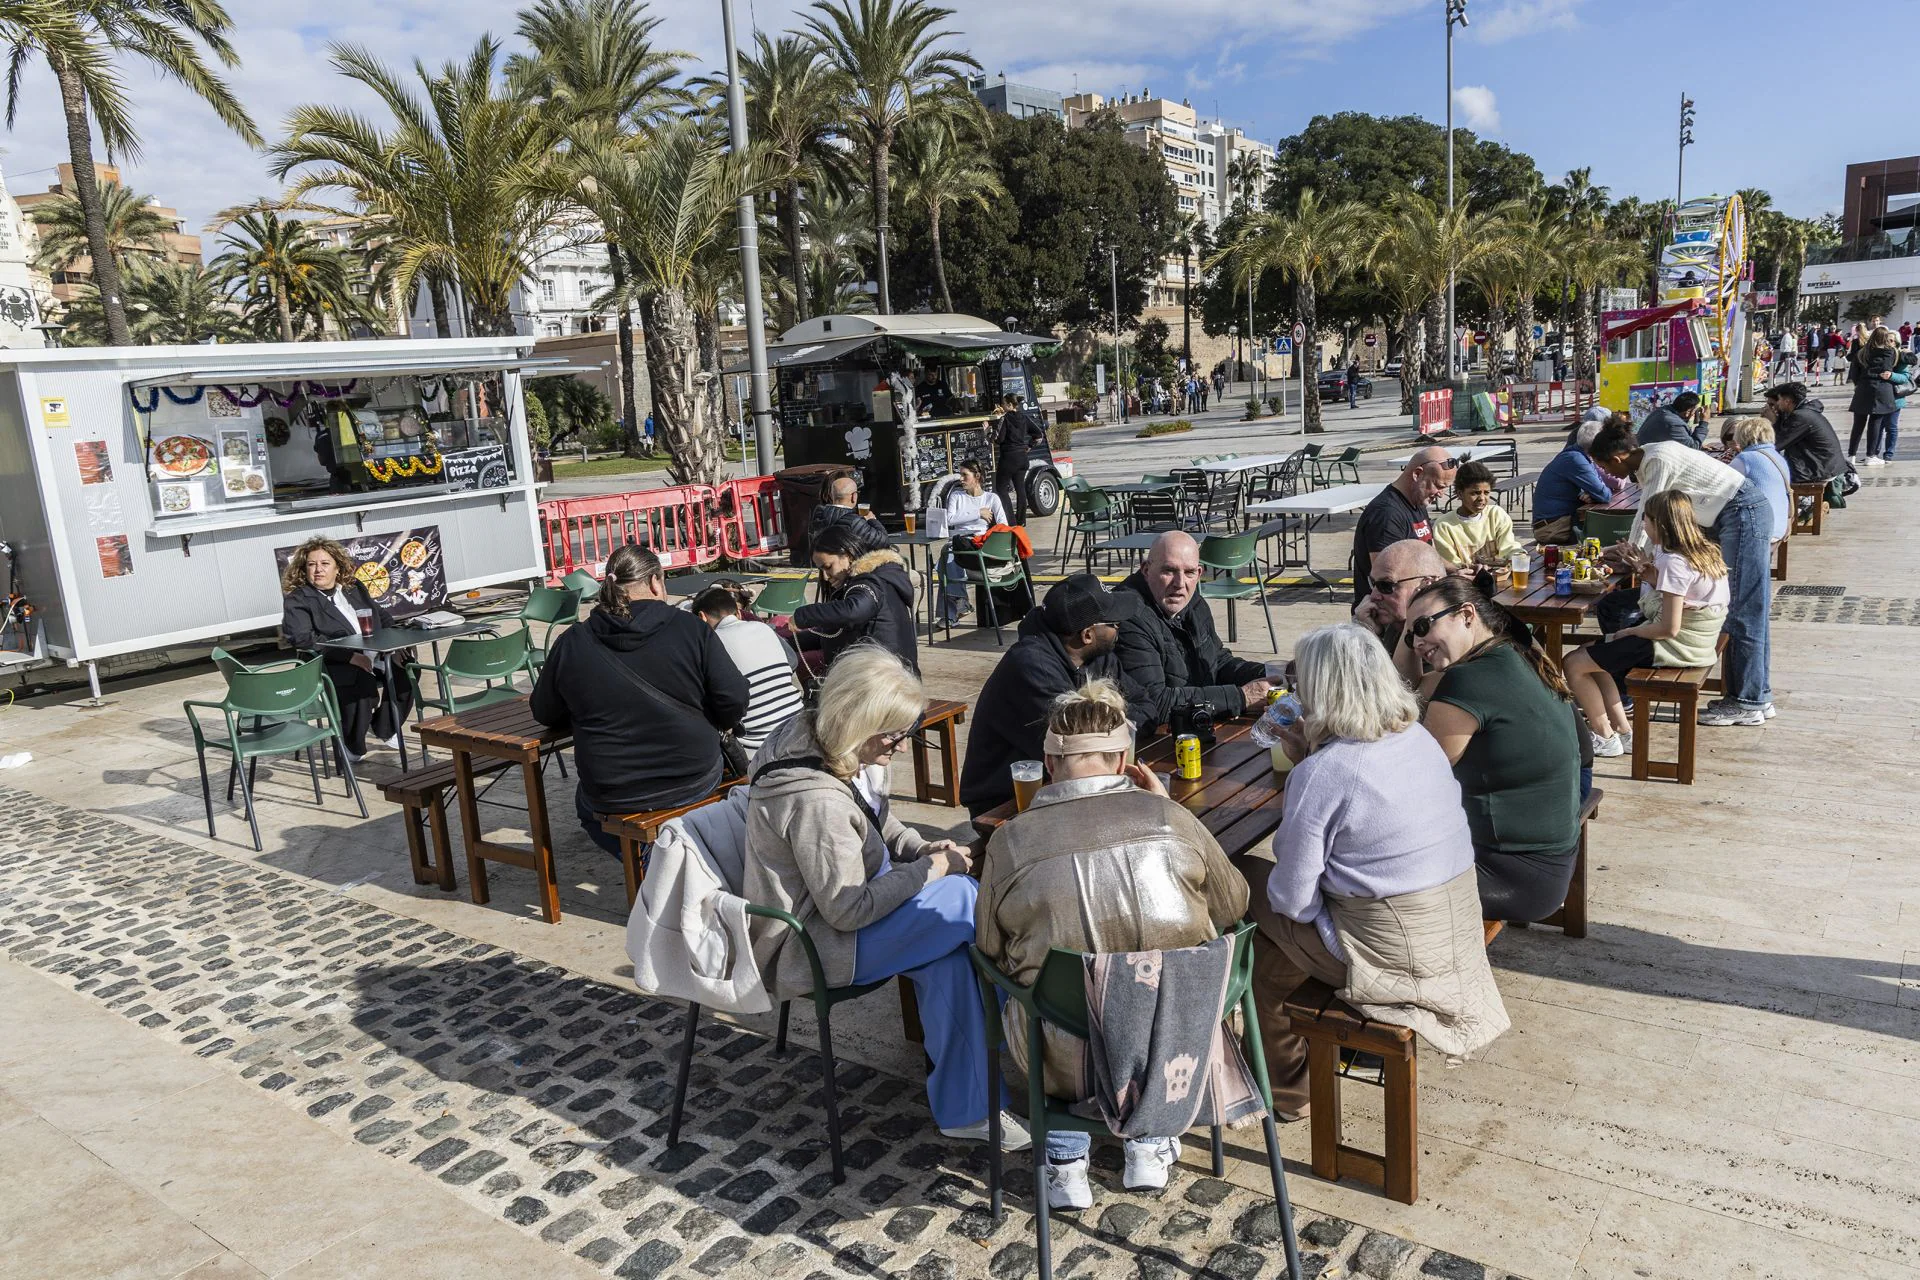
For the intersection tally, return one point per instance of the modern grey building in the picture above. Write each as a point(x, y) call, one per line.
point(997, 93)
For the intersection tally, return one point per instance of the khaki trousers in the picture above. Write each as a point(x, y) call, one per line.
point(1285, 954)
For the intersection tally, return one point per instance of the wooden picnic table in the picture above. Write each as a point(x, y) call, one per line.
point(502, 731)
point(1237, 796)
point(1538, 606)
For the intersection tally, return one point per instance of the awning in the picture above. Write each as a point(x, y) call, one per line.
point(817, 352)
point(350, 368)
point(1647, 319)
point(971, 341)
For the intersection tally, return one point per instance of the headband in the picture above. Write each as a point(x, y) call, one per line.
point(1083, 744)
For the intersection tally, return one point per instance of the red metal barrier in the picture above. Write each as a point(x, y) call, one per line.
point(1550, 401)
point(1436, 411)
point(751, 523)
point(681, 525)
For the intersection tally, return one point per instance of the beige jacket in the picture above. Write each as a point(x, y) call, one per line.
point(1097, 865)
point(1419, 960)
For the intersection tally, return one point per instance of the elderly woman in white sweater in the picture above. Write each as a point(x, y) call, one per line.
point(1372, 888)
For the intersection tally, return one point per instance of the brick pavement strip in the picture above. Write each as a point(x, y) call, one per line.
point(541, 1096)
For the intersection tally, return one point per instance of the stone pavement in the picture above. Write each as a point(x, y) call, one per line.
point(539, 1096)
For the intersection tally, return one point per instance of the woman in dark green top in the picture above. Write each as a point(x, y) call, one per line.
point(1501, 711)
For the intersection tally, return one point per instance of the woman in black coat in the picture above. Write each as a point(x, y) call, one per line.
point(869, 596)
point(322, 602)
point(1874, 398)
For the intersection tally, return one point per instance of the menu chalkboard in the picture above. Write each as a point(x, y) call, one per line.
point(482, 468)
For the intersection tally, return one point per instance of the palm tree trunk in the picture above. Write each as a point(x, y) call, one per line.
point(106, 270)
point(680, 416)
point(628, 407)
point(1433, 354)
point(1496, 338)
point(437, 295)
point(1523, 339)
point(878, 193)
point(1583, 335)
point(939, 258)
point(284, 310)
point(796, 255)
point(706, 326)
point(1411, 357)
point(1310, 408)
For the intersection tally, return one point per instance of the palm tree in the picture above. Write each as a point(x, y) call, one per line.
point(171, 303)
point(1592, 256)
point(668, 197)
point(839, 238)
point(277, 266)
point(941, 168)
point(792, 105)
point(1313, 244)
point(888, 68)
point(1424, 239)
point(1244, 172)
point(1190, 236)
point(445, 186)
point(595, 68)
point(1497, 277)
point(1533, 250)
point(79, 40)
point(127, 219)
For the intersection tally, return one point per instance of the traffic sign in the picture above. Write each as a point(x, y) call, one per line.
point(1539, 332)
point(1373, 339)
point(1480, 338)
point(1283, 345)
point(1299, 332)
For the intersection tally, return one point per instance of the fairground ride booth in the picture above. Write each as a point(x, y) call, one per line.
point(869, 392)
point(151, 495)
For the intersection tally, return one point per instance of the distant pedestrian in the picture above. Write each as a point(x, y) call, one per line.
point(1205, 386)
point(1353, 384)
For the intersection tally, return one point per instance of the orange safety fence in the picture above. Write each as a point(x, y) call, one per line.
point(1549, 401)
point(751, 521)
point(681, 525)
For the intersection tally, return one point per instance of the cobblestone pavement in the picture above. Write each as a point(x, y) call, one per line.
point(541, 1096)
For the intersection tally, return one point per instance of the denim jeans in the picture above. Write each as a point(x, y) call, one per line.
point(1893, 434)
point(1742, 532)
point(1065, 1147)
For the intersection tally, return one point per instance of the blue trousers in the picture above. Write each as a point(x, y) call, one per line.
point(925, 940)
point(1743, 532)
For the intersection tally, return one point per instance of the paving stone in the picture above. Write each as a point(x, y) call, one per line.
point(1122, 1221)
point(567, 1226)
point(1326, 1232)
point(1379, 1254)
point(1447, 1266)
point(649, 1261)
point(525, 1211)
point(907, 1224)
point(1208, 1192)
point(1234, 1262)
point(722, 1255)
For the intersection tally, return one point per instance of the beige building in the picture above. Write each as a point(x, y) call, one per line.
point(178, 245)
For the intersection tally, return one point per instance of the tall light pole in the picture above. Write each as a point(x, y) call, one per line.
point(1686, 140)
point(750, 261)
point(1456, 16)
point(1119, 373)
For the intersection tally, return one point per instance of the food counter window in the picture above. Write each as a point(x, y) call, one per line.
point(209, 448)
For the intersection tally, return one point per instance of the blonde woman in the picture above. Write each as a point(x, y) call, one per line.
point(1874, 397)
point(322, 600)
point(1684, 596)
point(878, 898)
point(1101, 861)
point(1373, 888)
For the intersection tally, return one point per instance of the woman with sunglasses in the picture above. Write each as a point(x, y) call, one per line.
point(878, 899)
point(1500, 710)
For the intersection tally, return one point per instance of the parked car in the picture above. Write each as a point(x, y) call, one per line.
point(1333, 385)
point(1393, 367)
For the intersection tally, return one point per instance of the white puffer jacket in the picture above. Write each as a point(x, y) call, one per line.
point(687, 934)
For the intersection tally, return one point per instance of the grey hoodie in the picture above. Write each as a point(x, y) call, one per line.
point(813, 853)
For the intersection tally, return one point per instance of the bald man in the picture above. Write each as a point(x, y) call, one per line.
point(1400, 512)
point(1169, 647)
point(1400, 572)
point(842, 507)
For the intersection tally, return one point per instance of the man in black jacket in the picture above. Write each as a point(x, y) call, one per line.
point(1169, 647)
point(1066, 642)
point(1680, 422)
point(1803, 435)
point(843, 507)
point(646, 690)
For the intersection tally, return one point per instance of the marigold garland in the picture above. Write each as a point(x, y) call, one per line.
point(387, 470)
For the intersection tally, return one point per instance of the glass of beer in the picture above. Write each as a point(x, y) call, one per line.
point(912, 519)
point(866, 511)
point(1027, 776)
point(1522, 570)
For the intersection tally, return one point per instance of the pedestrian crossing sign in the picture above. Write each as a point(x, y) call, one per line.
point(1283, 345)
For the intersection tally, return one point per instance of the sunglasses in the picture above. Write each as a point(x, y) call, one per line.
point(1420, 627)
point(898, 736)
point(1387, 586)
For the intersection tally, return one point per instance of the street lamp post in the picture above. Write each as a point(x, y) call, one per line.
point(1119, 373)
point(1233, 332)
point(750, 261)
point(1686, 140)
point(1456, 16)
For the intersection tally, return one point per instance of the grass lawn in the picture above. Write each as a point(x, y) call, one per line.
point(616, 464)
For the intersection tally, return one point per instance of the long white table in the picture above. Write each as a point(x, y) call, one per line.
point(1470, 453)
point(1310, 509)
point(1238, 466)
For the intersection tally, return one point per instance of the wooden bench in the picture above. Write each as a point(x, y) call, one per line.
point(638, 831)
point(422, 794)
point(1328, 1025)
point(1817, 490)
point(1681, 686)
point(1515, 496)
point(1780, 560)
point(941, 716)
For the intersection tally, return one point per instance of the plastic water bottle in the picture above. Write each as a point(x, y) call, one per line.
point(1283, 710)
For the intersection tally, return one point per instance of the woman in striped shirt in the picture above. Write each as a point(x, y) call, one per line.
point(773, 691)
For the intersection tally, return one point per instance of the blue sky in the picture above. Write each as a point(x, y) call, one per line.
point(1571, 82)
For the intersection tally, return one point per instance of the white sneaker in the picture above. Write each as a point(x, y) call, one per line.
point(1149, 1162)
point(1609, 746)
point(1732, 713)
point(1767, 712)
point(1067, 1185)
point(391, 743)
point(1874, 462)
point(1013, 1133)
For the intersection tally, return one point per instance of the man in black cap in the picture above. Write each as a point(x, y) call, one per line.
point(1066, 642)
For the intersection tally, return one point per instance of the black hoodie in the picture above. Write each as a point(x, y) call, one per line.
point(1180, 660)
point(635, 749)
point(874, 603)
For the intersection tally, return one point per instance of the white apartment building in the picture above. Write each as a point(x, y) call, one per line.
point(25, 294)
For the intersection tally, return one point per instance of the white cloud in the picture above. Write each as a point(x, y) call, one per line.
point(1477, 107)
point(1517, 18)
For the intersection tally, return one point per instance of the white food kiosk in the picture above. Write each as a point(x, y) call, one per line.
point(150, 494)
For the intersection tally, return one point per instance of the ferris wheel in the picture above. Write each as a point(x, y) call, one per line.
point(1706, 263)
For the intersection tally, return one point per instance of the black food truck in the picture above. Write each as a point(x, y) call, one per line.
point(842, 380)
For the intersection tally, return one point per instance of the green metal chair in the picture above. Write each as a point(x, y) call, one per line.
point(1059, 999)
point(780, 597)
point(549, 606)
point(1092, 514)
point(995, 564)
point(1344, 469)
point(585, 583)
point(1608, 526)
point(293, 709)
point(1166, 479)
point(483, 658)
point(1227, 555)
point(226, 664)
point(824, 999)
